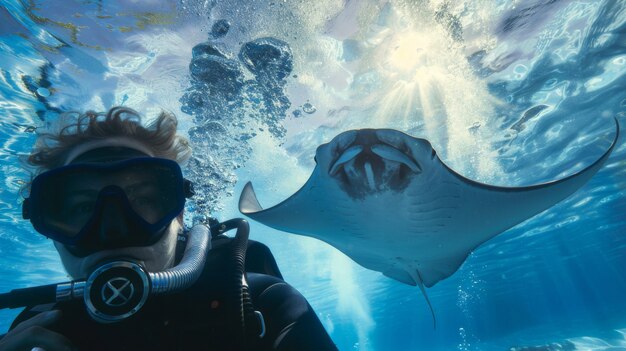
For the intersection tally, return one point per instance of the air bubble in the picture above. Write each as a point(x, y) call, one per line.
point(43, 92)
point(474, 127)
point(220, 28)
point(308, 108)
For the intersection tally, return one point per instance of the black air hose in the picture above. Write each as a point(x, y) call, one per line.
point(238, 293)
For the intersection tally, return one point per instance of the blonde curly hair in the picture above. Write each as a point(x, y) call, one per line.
point(52, 148)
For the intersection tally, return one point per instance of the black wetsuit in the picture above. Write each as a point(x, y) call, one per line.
point(195, 318)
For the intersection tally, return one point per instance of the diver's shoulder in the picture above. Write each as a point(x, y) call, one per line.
point(270, 291)
point(259, 258)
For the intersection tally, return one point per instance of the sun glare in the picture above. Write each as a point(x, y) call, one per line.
point(409, 51)
point(414, 78)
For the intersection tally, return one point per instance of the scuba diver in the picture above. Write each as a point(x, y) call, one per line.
point(110, 194)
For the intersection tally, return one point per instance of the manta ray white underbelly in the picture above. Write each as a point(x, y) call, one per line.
point(387, 201)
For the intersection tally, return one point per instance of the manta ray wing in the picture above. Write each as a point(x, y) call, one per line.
point(418, 229)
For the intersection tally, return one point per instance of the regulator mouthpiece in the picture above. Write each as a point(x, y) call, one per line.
point(116, 291)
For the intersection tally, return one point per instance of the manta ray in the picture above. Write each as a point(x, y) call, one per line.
point(385, 199)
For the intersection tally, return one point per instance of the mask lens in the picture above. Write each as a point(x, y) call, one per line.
point(151, 192)
point(68, 198)
point(68, 203)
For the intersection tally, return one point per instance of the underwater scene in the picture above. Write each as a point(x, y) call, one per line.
point(509, 93)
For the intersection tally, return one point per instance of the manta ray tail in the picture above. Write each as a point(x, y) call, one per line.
point(415, 274)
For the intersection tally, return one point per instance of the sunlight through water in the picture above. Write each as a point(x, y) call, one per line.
point(508, 92)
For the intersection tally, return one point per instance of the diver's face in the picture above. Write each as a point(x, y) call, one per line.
point(113, 232)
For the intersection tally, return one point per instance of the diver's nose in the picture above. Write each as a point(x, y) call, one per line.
point(114, 228)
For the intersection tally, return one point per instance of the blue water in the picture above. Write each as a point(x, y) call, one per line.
point(508, 92)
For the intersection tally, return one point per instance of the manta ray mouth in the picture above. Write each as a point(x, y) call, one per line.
point(368, 167)
point(384, 151)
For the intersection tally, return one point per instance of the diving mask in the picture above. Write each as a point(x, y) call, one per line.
point(71, 204)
